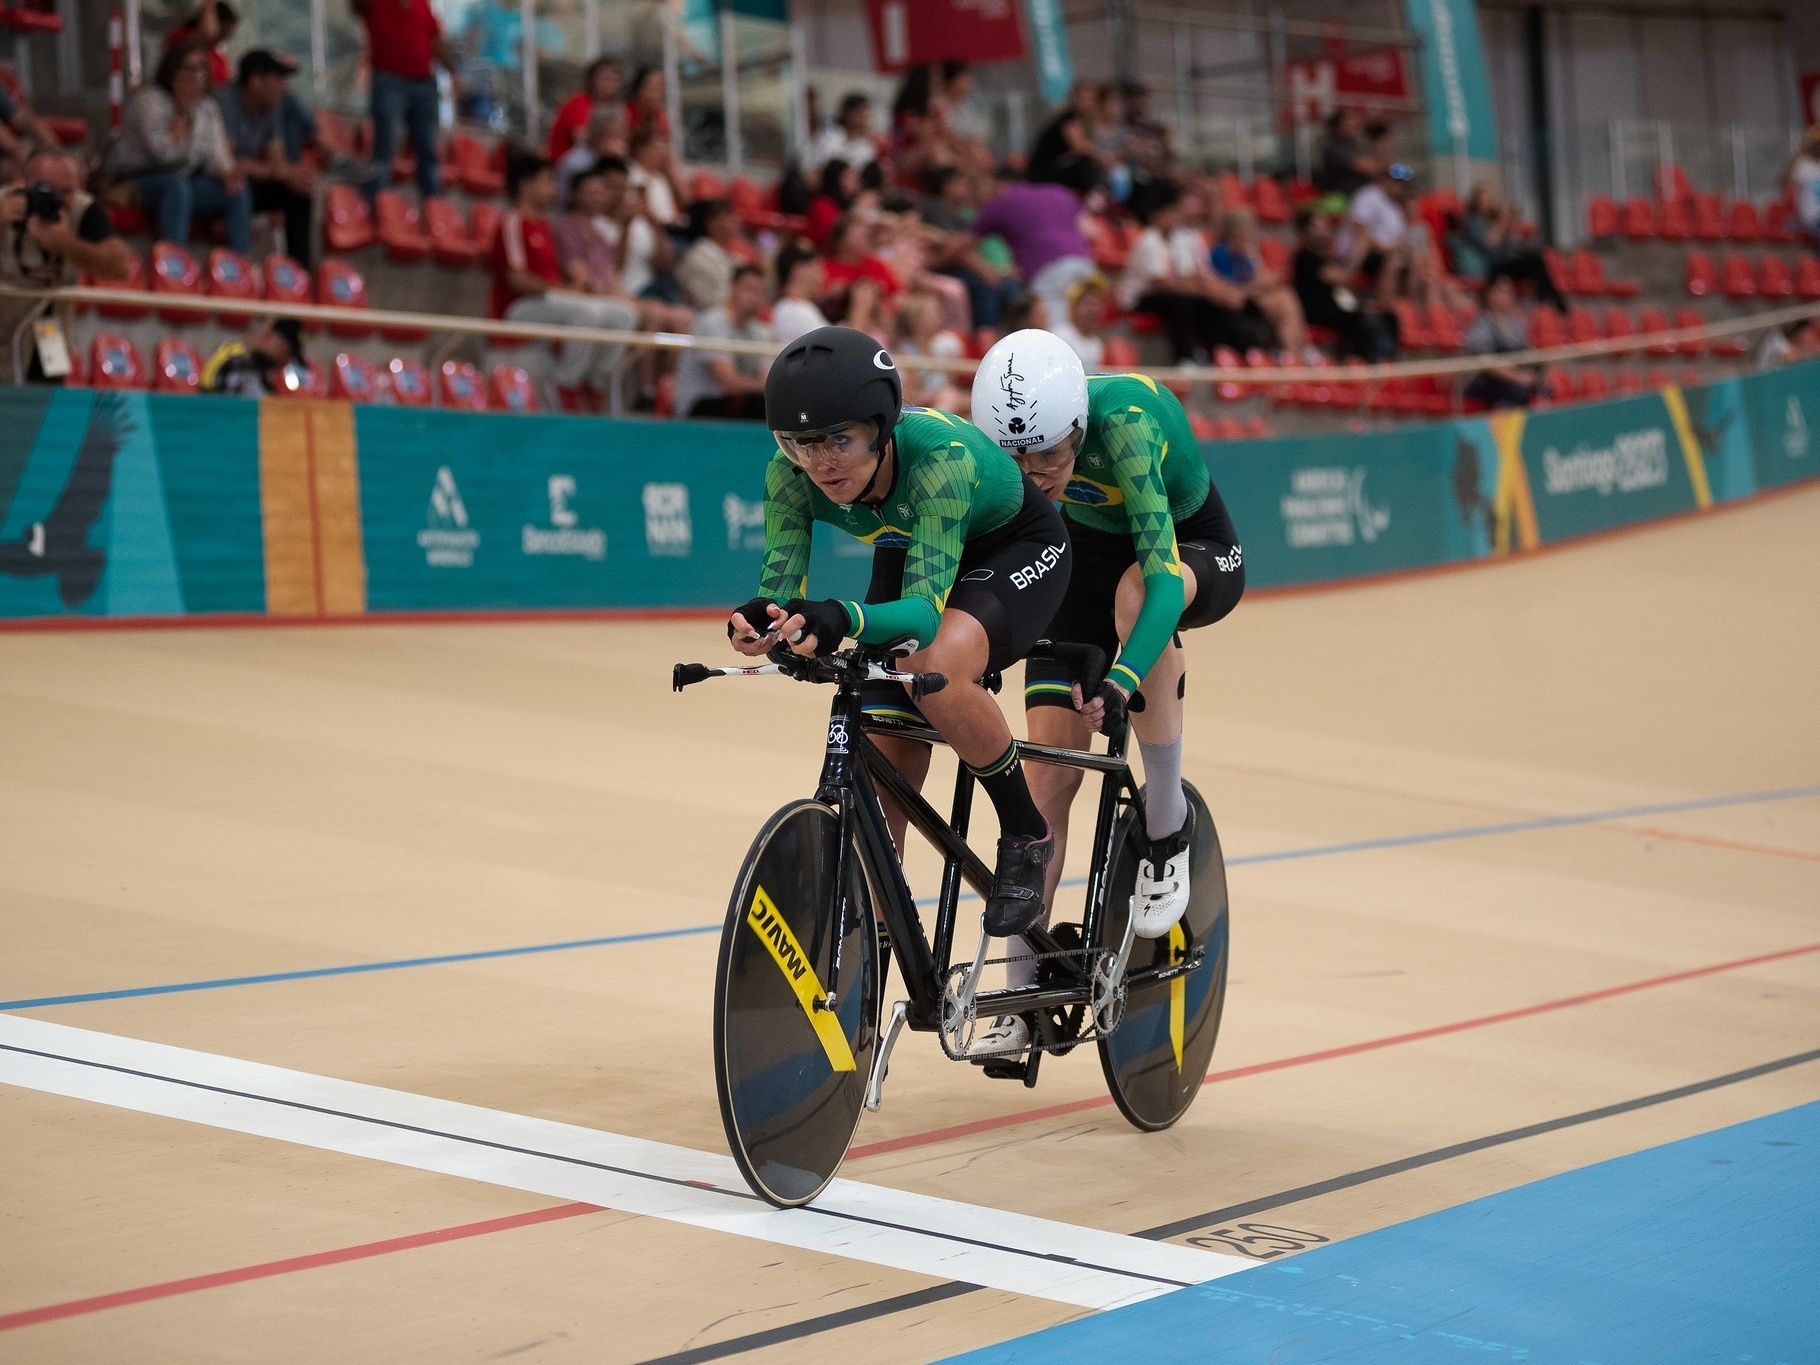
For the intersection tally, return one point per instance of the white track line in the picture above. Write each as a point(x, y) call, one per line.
point(1081, 1266)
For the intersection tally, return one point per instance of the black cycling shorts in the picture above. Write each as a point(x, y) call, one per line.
point(1010, 580)
point(1207, 545)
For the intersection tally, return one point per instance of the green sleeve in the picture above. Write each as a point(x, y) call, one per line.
point(789, 527)
point(1136, 446)
point(941, 492)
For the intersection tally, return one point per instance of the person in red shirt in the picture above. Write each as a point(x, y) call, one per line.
point(645, 109)
point(212, 24)
point(850, 258)
point(404, 40)
point(600, 88)
point(528, 285)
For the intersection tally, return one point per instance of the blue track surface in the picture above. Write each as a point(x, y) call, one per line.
point(1279, 856)
point(1704, 1250)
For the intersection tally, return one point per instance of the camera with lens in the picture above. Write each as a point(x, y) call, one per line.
point(43, 201)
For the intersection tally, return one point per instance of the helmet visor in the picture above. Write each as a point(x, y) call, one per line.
point(846, 444)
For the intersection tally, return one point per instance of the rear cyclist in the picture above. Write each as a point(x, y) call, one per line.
point(1154, 552)
point(970, 561)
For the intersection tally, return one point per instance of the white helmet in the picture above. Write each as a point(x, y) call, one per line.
point(1030, 391)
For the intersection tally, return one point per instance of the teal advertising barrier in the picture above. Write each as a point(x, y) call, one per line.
point(146, 506)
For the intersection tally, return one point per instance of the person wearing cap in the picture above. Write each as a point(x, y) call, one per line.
point(1374, 238)
point(248, 366)
point(254, 113)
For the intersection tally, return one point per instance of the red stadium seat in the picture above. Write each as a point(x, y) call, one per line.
point(483, 226)
point(1256, 428)
point(354, 378)
point(232, 276)
point(347, 224)
point(1601, 217)
point(1658, 378)
point(1546, 329)
point(511, 389)
point(1651, 321)
point(1744, 225)
point(1582, 325)
point(1685, 318)
point(1225, 358)
point(460, 386)
point(1559, 270)
point(749, 203)
point(1444, 330)
point(1618, 325)
point(408, 382)
point(1272, 203)
point(339, 285)
point(1671, 184)
point(707, 185)
point(1412, 328)
point(1675, 221)
point(135, 279)
point(1778, 223)
point(472, 165)
point(400, 231)
point(115, 363)
point(1592, 384)
point(1628, 381)
point(175, 272)
point(1709, 218)
point(1736, 277)
point(1203, 426)
point(1773, 278)
point(450, 243)
point(306, 381)
point(1639, 219)
point(1120, 354)
point(1701, 278)
point(1807, 276)
point(176, 366)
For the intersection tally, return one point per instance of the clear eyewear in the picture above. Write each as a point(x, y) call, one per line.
point(1050, 458)
point(843, 445)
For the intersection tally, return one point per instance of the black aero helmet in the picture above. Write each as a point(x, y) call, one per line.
point(832, 376)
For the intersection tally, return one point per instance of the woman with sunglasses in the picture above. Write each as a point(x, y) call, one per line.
point(1154, 552)
point(969, 563)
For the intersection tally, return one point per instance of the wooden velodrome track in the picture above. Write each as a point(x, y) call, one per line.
point(1526, 872)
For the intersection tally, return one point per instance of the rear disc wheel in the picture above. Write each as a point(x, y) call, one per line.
point(791, 1073)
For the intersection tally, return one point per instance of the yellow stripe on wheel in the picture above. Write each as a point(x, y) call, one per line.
point(772, 930)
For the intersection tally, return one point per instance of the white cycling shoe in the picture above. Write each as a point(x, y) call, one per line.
point(1008, 1036)
point(1161, 894)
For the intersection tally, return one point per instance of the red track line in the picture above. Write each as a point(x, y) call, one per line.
point(1732, 844)
point(961, 1130)
point(170, 1288)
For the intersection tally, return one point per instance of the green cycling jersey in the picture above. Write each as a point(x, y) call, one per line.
point(1139, 471)
point(952, 485)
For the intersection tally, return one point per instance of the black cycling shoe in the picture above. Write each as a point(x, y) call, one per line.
point(1016, 901)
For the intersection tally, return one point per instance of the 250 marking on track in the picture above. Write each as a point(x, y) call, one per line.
point(1260, 1241)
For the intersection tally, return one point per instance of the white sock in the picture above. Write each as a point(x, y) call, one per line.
point(1021, 970)
point(1165, 807)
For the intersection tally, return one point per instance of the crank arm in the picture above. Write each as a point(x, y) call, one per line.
point(881, 1061)
point(1151, 975)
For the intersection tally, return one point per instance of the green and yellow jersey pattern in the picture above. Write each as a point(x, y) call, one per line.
point(952, 485)
point(1140, 471)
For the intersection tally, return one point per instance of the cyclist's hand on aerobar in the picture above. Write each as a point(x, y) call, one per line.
point(1105, 711)
point(813, 627)
point(752, 628)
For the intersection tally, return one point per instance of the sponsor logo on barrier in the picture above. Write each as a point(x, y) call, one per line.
point(1635, 461)
point(668, 530)
point(1034, 571)
point(562, 536)
point(1328, 506)
point(1794, 435)
point(745, 522)
point(447, 541)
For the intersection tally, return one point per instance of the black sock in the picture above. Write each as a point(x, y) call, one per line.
point(1004, 782)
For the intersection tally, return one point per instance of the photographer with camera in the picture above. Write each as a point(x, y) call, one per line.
point(52, 228)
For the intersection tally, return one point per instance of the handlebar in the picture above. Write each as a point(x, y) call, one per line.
point(862, 663)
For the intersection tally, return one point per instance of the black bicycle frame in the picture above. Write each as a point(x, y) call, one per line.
point(854, 775)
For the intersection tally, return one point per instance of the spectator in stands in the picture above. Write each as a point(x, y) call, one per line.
point(711, 384)
point(917, 331)
point(644, 252)
point(961, 109)
point(849, 139)
point(1235, 257)
point(1106, 127)
point(797, 311)
point(602, 88)
point(705, 271)
point(1041, 225)
point(1801, 182)
point(589, 241)
point(252, 114)
point(1168, 276)
point(948, 211)
point(654, 172)
point(1084, 327)
point(604, 136)
point(1347, 162)
point(174, 148)
point(1375, 238)
point(1065, 145)
point(645, 109)
point(212, 25)
point(1025, 311)
point(404, 41)
point(1149, 153)
point(844, 189)
point(1799, 340)
point(1487, 241)
point(1321, 289)
point(528, 284)
point(851, 258)
point(1500, 329)
point(252, 366)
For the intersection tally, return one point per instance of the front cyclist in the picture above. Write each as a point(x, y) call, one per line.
point(1154, 552)
point(970, 560)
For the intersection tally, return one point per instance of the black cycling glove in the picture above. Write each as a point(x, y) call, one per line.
point(1113, 719)
point(756, 616)
point(826, 620)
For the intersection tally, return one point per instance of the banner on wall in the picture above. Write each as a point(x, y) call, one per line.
point(1375, 82)
point(1454, 82)
point(907, 33)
